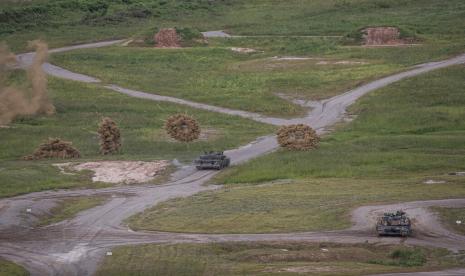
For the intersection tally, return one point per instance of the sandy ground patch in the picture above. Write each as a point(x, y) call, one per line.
point(432, 181)
point(244, 50)
point(341, 62)
point(291, 58)
point(457, 173)
point(128, 172)
point(301, 269)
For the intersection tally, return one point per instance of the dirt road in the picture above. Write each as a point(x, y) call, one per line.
point(75, 247)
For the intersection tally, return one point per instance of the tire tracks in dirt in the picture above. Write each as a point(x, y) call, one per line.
point(76, 246)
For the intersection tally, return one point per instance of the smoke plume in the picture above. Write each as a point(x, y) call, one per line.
point(17, 102)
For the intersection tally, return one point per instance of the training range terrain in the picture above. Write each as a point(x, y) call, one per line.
point(76, 246)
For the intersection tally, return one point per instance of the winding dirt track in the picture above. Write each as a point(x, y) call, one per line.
point(76, 246)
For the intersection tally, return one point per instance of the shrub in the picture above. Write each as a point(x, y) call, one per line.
point(110, 137)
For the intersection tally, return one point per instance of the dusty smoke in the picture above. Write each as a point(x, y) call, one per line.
point(15, 102)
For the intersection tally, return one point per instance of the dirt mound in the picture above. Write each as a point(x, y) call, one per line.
point(381, 36)
point(110, 137)
point(128, 172)
point(167, 38)
point(298, 137)
point(182, 128)
point(54, 148)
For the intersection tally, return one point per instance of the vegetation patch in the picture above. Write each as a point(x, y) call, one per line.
point(65, 22)
point(301, 205)
point(404, 257)
point(221, 77)
point(68, 208)
point(411, 128)
point(267, 258)
point(405, 133)
point(54, 148)
point(80, 108)
point(11, 269)
point(452, 218)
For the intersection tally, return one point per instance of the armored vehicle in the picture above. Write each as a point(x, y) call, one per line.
point(212, 161)
point(394, 224)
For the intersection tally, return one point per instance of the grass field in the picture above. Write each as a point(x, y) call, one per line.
point(411, 128)
point(80, 108)
point(450, 216)
point(220, 77)
point(71, 21)
point(10, 269)
point(68, 208)
point(270, 259)
point(404, 134)
point(301, 205)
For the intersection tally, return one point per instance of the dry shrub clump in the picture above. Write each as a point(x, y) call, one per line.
point(15, 102)
point(383, 36)
point(167, 38)
point(298, 137)
point(110, 136)
point(182, 128)
point(54, 148)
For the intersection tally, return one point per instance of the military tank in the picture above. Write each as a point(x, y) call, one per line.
point(212, 161)
point(394, 224)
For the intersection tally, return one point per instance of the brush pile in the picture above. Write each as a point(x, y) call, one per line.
point(54, 148)
point(110, 136)
point(182, 128)
point(377, 36)
point(298, 137)
point(167, 38)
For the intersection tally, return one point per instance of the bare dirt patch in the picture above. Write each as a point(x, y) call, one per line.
point(127, 172)
point(291, 58)
point(307, 269)
point(341, 62)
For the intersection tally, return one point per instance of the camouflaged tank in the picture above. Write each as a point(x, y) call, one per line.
point(394, 224)
point(212, 161)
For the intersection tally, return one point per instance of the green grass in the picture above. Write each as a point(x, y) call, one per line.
point(65, 22)
point(71, 21)
point(304, 205)
point(411, 128)
point(268, 259)
point(404, 257)
point(68, 208)
point(450, 216)
point(80, 108)
point(11, 269)
point(21, 177)
point(404, 134)
point(220, 77)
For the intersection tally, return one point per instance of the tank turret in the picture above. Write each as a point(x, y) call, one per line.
point(394, 224)
point(212, 161)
